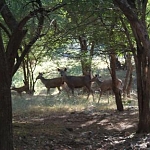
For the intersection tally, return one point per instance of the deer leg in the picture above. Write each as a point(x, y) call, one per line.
point(100, 96)
point(59, 89)
point(88, 92)
point(72, 91)
point(66, 90)
point(48, 91)
point(91, 91)
point(108, 96)
point(88, 95)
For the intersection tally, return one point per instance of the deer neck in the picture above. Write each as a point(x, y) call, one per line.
point(98, 82)
point(64, 78)
point(43, 80)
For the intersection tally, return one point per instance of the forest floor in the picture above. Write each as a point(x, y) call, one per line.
point(89, 129)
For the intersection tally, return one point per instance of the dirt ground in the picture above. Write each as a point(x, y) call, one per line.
point(85, 130)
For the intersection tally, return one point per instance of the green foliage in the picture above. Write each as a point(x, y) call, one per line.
point(17, 80)
point(19, 8)
point(98, 21)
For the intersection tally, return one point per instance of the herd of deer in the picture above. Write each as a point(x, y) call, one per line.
point(73, 82)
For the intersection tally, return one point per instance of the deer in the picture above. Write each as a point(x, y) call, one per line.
point(21, 89)
point(51, 83)
point(105, 85)
point(74, 82)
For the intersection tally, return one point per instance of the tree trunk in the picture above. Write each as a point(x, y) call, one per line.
point(6, 135)
point(115, 89)
point(85, 58)
point(130, 82)
point(127, 78)
point(6, 140)
point(143, 89)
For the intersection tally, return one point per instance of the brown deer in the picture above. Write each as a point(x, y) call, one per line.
point(77, 81)
point(21, 89)
point(50, 83)
point(105, 85)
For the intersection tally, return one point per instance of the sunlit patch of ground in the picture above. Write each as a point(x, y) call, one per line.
point(51, 123)
point(56, 121)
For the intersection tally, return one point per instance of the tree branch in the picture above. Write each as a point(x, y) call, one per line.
point(5, 29)
point(7, 15)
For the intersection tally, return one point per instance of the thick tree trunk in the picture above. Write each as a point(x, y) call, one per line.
point(6, 135)
point(115, 89)
point(143, 89)
point(6, 139)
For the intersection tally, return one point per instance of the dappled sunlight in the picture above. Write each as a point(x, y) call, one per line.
point(72, 121)
point(104, 121)
point(88, 123)
point(78, 102)
point(55, 92)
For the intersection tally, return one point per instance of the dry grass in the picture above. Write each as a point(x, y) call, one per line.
point(58, 122)
point(41, 104)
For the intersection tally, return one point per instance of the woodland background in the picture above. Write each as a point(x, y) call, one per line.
point(36, 32)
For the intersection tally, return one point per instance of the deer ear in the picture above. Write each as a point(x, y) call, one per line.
point(65, 69)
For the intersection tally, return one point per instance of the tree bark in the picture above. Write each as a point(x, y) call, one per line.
point(143, 89)
point(115, 89)
point(130, 82)
point(6, 135)
point(85, 58)
point(128, 73)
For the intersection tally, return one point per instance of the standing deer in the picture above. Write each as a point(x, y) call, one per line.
point(21, 89)
point(50, 83)
point(77, 81)
point(105, 85)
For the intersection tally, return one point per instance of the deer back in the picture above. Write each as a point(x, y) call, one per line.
point(50, 83)
point(75, 81)
point(106, 84)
